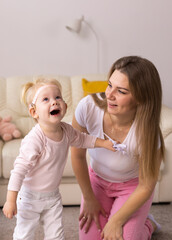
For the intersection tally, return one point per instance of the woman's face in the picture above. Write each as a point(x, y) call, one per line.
point(119, 98)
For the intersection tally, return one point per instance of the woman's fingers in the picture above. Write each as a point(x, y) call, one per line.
point(88, 221)
point(81, 216)
point(97, 222)
point(83, 220)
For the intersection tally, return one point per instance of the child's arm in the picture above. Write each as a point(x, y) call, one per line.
point(10, 206)
point(84, 140)
point(104, 144)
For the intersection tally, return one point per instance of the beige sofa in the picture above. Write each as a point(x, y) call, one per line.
point(72, 93)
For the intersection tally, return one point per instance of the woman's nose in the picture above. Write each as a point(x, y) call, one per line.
point(110, 94)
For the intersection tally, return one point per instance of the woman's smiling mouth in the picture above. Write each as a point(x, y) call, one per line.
point(112, 105)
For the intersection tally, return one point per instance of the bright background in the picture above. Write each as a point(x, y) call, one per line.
point(34, 40)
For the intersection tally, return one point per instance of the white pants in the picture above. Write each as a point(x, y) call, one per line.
point(34, 208)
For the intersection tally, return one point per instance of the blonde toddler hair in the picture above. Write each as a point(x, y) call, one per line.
point(30, 88)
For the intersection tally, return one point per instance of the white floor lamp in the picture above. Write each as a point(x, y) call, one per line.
point(75, 26)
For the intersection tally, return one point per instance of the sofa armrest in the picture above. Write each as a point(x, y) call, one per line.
point(166, 121)
point(165, 193)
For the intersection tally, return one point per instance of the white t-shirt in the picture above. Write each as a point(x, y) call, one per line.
point(111, 166)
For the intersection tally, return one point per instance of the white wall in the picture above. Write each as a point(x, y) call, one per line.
point(34, 40)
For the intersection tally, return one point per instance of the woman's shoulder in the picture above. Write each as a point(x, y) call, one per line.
point(90, 101)
point(87, 99)
point(87, 111)
point(87, 106)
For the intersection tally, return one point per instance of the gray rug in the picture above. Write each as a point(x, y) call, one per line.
point(161, 212)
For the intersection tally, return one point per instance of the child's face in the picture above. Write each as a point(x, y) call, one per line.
point(50, 107)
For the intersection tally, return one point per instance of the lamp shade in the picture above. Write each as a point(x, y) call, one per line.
point(75, 25)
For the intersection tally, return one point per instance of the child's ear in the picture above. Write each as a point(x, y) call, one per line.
point(33, 112)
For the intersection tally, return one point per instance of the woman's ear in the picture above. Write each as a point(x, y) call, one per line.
point(33, 112)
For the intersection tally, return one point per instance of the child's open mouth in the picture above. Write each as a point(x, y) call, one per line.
point(55, 112)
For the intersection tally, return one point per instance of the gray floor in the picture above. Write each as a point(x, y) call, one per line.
point(161, 212)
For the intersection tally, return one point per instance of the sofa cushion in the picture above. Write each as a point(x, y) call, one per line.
point(76, 83)
point(13, 98)
point(90, 87)
point(9, 154)
point(25, 124)
point(68, 170)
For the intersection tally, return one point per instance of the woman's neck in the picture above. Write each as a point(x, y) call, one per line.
point(117, 127)
point(121, 121)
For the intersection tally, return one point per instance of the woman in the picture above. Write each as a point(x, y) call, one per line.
point(118, 190)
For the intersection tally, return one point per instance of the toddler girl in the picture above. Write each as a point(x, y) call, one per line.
point(39, 166)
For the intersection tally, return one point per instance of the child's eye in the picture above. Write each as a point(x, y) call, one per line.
point(45, 99)
point(58, 97)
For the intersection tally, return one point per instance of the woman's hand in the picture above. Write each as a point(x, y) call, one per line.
point(90, 212)
point(112, 230)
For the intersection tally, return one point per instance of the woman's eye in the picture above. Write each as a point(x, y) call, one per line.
point(121, 92)
point(109, 85)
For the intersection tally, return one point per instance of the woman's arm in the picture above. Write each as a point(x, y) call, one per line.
point(92, 207)
point(142, 193)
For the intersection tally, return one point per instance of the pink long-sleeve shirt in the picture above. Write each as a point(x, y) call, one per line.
point(41, 161)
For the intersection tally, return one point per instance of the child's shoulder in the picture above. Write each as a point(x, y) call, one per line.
point(66, 126)
point(68, 129)
point(34, 142)
point(35, 134)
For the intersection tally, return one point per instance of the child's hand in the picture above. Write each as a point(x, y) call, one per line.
point(109, 145)
point(10, 209)
point(105, 144)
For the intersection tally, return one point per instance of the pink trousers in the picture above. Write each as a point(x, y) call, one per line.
point(112, 196)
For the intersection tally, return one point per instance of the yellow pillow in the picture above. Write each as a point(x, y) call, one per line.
point(93, 86)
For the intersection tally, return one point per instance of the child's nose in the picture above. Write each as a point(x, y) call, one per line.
point(54, 102)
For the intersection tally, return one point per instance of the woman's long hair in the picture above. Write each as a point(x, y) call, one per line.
point(145, 86)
